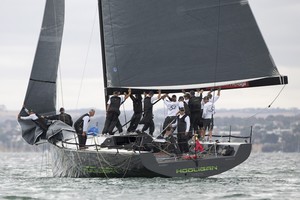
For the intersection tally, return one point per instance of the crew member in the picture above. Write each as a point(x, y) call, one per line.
point(147, 119)
point(64, 117)
point(172, 110)
point(137, 112)
point(113, 112)
point(37, 119)
point(183, 128)
point(81, 127)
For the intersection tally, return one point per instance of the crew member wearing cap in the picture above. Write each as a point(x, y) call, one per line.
point(184, 104)
point(183, 127)
point(64, 117)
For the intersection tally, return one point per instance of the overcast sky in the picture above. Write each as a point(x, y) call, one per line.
point(20, 20)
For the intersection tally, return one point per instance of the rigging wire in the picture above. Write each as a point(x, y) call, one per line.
point(125, 116)
point(217, 53)
point(86, 58)
point(269, 106)
point(57, 49)
point(277, 96)
point(104, 163)
point(217, 42)
point(44, 160)
point(61, 86)
point(217, 58)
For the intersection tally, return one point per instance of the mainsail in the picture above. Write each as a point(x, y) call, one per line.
point(41, 91)
point(182, 43)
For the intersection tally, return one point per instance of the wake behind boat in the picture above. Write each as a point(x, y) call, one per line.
point(146, 46)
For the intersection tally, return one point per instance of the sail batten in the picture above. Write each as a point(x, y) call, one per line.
point(163, 43)
point(36, 80)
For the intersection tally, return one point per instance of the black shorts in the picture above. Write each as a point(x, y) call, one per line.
point(208, 124)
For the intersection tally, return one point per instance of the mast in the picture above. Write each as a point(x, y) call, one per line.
point(103, 50)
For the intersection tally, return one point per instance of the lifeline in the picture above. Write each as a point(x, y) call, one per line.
point(195, 170)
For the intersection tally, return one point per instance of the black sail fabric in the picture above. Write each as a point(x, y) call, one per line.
point(41, 92)
point(182, 42)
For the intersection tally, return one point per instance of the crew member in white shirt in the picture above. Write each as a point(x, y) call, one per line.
point(172, 110)
point(40, 121)
point(81, 127)
point(208, 112)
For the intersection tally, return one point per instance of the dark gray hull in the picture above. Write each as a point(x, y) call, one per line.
point(201, 167)
point(114, 163)
point(82, 163)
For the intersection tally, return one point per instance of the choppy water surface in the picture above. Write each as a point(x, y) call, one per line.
point(262, 176)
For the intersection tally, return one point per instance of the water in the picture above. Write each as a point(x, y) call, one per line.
point(262, 176)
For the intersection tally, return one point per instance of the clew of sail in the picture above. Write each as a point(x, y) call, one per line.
point(41, 91)
point(182, 44)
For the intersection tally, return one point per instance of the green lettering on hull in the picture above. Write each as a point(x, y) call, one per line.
point(99, 170)
point(196, 170)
